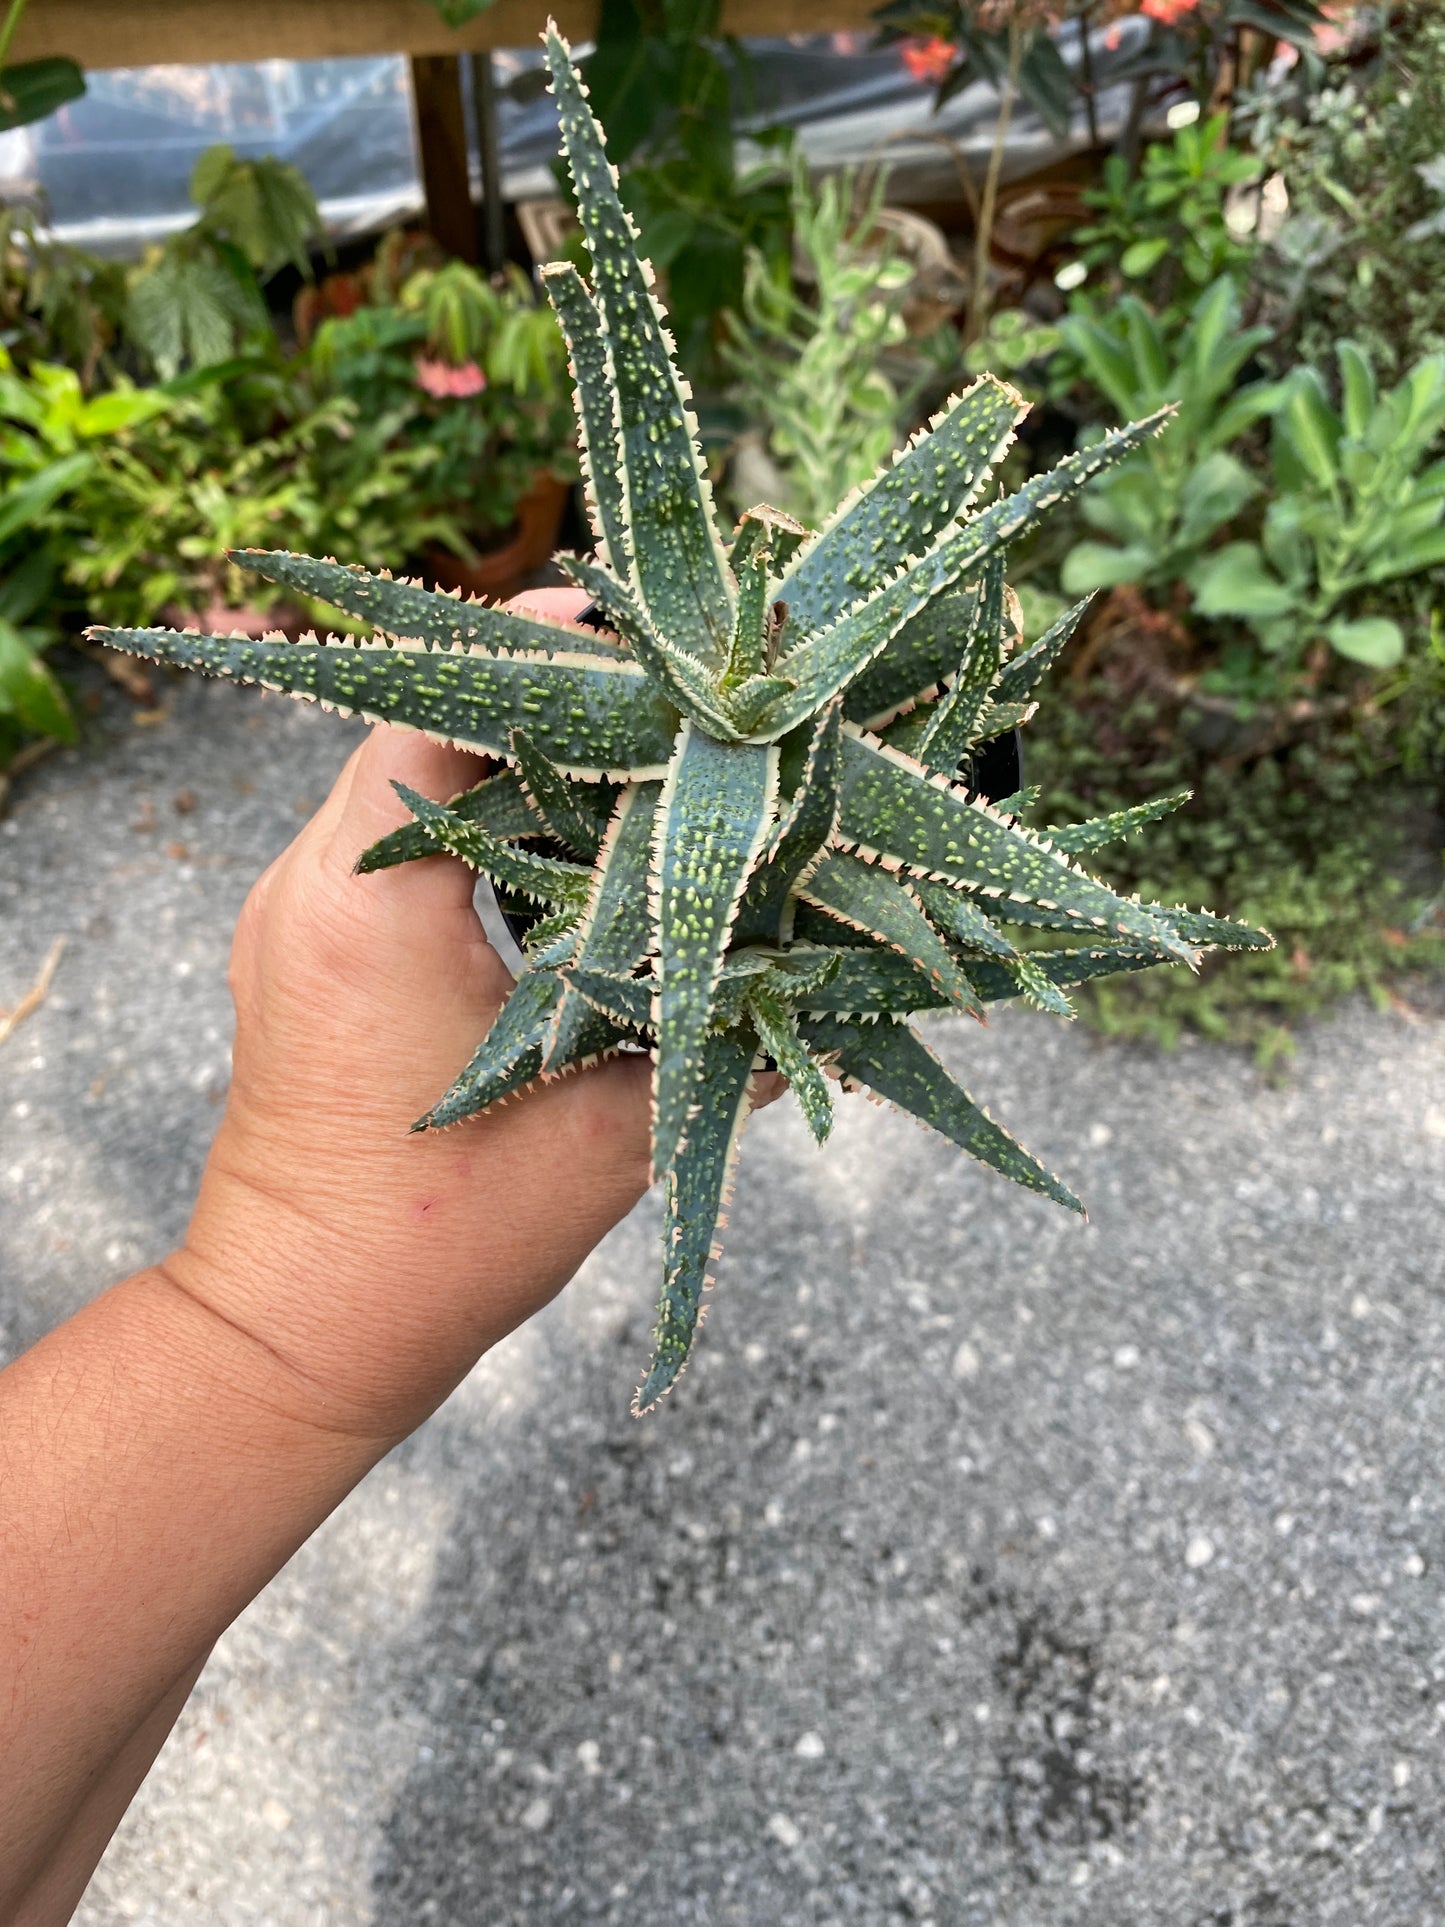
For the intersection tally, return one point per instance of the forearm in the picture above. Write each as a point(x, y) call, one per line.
point(156, 1470)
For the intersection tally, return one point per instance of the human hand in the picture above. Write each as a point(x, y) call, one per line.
point(377, 1265)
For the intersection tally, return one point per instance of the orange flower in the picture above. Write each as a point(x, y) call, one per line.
point(1167, 12)
point(928, 60)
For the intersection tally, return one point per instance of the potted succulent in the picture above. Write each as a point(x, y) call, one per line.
point(473, 372)
point(750, 811)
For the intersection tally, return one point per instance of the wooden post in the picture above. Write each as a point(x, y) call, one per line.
point(441, 135)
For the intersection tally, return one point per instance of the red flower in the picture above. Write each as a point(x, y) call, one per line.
point(1166, 12)
point(928, 60)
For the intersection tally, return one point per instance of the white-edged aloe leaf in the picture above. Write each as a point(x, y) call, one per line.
point(509, 1057)
point(746, 655)
point(873, 983)
point(778, 1035)
point(498, 805)
point(878, 903)
point(1022, 676)
point(594, 717)
point(953, 723)
point(832, 657)
point(760, 526)
point(892, 520)
point(542, 877)
point(1077, 839)
point(406, 609)
point(617, 932)
point(894, 1063)
point(598, 432)
point(790, 977)
point(712, 819)
point(676, 554)
point(924, 653)
point(998, 982)
point(552, 940)
point(748, 705)
point(626, 1000)
point(799, 838)
point(695, 1205)
point(564, 809)
point(572, 1017)
point(999, 718)
point(1018, 802)
point(959, 917)
point(1037, 987)
point(1219, 933)
point(681, 677)
point(892, 810)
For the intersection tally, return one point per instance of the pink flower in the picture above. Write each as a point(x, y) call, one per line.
point(1166, 12)
point(447, 383)
point(928, 60)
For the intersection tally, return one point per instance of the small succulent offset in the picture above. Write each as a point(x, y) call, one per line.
point(744, 809)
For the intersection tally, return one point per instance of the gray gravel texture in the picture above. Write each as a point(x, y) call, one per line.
point(987, 1567)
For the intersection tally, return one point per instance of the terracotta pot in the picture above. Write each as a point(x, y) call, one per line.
point(500, 571)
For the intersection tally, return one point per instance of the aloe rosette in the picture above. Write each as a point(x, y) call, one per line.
point(741, 814)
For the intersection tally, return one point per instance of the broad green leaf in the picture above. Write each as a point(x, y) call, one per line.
point(30, 90)
point(1235, 581)
point(1375, 641)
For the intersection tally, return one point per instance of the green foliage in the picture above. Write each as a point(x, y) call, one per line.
point(807, 359)
point(1315, 844)
point(1356, 503)
point(1164, 231)
point(1359, 157)
point(31, 89)
point(196, 299)
point(478, 443)
point(57, 303)
point(1159, 511)
point(773, 874)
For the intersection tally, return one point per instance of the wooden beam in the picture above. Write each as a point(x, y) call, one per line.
point(441, 139)
point(145, 33)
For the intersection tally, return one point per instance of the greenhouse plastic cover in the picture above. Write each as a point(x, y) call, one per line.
point(114, 167)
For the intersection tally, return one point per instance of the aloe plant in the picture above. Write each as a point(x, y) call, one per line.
point(744, 814)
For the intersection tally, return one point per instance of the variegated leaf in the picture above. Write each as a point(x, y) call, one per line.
point(400, 608)
point(676, 553)
point(893, 811)
point(592, 716)
point(893, 1062)
point(712, 820)
point(598, 431)
point(498, 805)
point(696, 1199)
point(542, 877)
point(874, 901)
point(894, 519)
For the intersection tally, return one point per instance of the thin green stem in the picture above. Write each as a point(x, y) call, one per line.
point(978, 307)
point(7, 32)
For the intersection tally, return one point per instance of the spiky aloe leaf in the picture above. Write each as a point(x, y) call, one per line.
point(405, 609)
point(628, 1001)
point(1077, 839)
point(770, 527)
point(873, 901)
point(712, 819)
point(750, 620)
point(778, 1035)
point(954, 723)
point(830, 660)
point(891, 809)
point(498, 805)
point(593, 717)
point(696, 1198)
point(598, 431)
point(679, 675)
point(676, 554)
point(564, 809)
point(542, 877)
point(617, 931)
point(893, 519)
point(961, 918)
point(1022, 676)
point(893, 1062)
point(798, 839)
point(926, 650)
